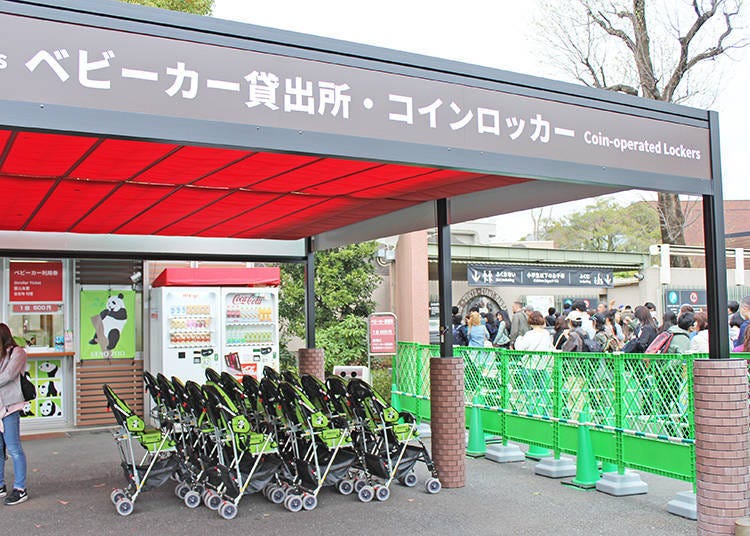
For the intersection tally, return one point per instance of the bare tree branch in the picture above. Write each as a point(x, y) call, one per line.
point(685, 41)
point(623, 88)
point(603, 22)
point(661, 53)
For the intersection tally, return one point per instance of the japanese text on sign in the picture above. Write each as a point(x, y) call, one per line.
point(479, 275)
point(382, 333)
point(35, 281)
point(66, 64)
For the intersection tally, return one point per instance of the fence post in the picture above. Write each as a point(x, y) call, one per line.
point(620, 408)
point(418, 387)
point(504, 453)
point(395, 399)
point(555, 466)
point(620, 483)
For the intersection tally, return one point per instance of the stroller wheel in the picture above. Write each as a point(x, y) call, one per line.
point(366, 493)
point(433, 485)
point(117, 495)
point(346, 487)
point(359, 484)
point(192, 499)
point(214, 501)
point(181, 490)
point(124, 506)
point(309, 502)
point(228, 510)
point(410, 480)
point(293, 503)
point(277, 495)
point(382, 493)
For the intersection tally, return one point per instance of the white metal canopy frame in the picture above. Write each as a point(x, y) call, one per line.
point(131, 130)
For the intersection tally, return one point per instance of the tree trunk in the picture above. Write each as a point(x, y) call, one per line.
point(672, 226)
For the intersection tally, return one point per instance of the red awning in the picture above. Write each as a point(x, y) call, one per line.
point(218, 277)
point(78, 184)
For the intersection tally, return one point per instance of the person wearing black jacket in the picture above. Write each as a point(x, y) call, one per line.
point(645, 333)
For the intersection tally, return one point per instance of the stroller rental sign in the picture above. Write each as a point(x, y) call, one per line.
point(58, 63)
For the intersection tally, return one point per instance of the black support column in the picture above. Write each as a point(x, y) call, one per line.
point(716, 262)
point(445, 278)
point(309, 294)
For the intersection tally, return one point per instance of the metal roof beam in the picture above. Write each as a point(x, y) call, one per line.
point(29, 243)
point(468, 207)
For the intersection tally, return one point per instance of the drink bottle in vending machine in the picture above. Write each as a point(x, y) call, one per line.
point(250, 320)
point(185, 331)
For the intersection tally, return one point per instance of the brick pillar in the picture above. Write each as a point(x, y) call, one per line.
point(448, 421)
point(312, 361)
point(721, 444)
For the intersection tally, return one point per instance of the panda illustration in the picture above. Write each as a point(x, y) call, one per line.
point(48, 389)
point(114, 317)
point(49, 409)
point(48, 367)
point(26, 411)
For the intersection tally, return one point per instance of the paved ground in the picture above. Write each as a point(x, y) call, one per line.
point(70, 480)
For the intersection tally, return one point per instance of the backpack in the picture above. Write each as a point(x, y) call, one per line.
point(589, 344)
point(661, 344)
point(459, 336)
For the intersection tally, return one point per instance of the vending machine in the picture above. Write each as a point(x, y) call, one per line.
point(185, 331)
point(250, 330)
point(216, 323)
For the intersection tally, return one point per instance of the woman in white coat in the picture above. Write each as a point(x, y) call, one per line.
point(699, 342)
point(537, 367)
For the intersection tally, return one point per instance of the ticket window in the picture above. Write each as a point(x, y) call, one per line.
point(43, 330)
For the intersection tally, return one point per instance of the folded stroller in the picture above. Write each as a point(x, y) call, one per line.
point(248, 462)
point(388, 449)
point(315, 448)
point(157, 464)
point(189, 442)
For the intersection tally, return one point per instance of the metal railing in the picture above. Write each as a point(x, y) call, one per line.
point(639, 407)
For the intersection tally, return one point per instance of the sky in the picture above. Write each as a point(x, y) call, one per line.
point(493, 33)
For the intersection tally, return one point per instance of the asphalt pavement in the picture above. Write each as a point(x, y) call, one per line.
point(71, 477)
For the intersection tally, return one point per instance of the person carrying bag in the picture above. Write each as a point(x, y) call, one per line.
point(12, 366)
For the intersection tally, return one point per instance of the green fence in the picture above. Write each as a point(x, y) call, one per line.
point(640, 407)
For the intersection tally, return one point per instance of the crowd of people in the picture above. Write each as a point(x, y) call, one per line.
point(604, 329)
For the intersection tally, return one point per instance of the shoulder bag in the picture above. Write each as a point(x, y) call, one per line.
point(27, 388)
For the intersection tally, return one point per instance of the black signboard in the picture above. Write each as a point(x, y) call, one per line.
point(493, 275)
point(674, 299)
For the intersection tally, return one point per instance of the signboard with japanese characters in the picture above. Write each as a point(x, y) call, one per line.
point(65, 64)
point(479, 275)
point(32, 281)
point(382, 333)
point(675, 299)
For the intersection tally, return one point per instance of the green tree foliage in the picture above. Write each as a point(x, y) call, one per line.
point(198, 7)
point(345, 279)
point(605, 226)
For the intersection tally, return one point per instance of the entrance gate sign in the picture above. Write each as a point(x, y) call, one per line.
point(493, 275)
point(55, 63)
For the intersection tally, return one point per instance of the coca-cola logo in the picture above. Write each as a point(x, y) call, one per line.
point(247, 299)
